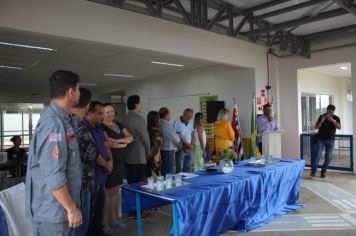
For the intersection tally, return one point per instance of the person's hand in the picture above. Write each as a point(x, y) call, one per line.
point(157, 159)
point(109, 166)
point(110, 142)
point(120, 145)
point(74, 218)
point(329, 118)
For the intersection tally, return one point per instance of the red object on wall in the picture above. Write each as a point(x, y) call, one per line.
point(263, 93)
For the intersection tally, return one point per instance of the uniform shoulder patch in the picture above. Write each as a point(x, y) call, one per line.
point(54, 137)
point(55, 152)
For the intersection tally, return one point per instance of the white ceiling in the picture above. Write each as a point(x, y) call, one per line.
point(333, 70)
point(90, 60)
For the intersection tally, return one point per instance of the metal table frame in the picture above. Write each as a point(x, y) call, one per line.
point(138, 209)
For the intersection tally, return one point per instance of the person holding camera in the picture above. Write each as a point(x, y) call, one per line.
point(327, 124)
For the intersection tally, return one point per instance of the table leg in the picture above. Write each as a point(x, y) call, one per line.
point(175, 220)
point(138, 215)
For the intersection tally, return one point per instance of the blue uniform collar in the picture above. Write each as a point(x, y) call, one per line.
point(64, 115)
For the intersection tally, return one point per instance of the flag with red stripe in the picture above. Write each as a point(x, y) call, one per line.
point(235, 123)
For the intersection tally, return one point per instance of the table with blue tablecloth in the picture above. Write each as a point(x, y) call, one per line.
point(213, 203)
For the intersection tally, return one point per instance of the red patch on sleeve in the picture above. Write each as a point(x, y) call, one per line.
point(70, 137)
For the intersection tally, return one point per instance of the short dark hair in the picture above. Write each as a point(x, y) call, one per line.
point(93, 105)
point(61, 81)
point(152, 119)
point(331, 107)
point(107, 104)
point(84, 99)
point(132, 101)
point(267, 105)
point(13, 139)
point(163, 111)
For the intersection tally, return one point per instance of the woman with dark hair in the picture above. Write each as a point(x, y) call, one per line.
point(199, 142)
point(154, 158)
point(118, 137)
point(18, 156)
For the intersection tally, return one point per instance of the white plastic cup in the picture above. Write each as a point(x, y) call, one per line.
point(150, 182)
point(159, 184)
point(168, 181)
point(178, 180)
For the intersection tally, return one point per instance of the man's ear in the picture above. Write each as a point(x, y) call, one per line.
point(70, 91)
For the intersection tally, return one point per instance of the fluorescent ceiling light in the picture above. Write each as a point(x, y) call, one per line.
point(117, 75)
point(88, 84)
point(27, 46)
point(165, 63)
point(11, 67)
point(343, 67)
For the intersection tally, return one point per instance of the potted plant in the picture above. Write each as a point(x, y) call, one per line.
point(225, 159)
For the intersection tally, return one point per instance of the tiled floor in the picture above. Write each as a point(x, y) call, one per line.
point(330, 210)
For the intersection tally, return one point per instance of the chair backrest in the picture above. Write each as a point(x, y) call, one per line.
point(3, 225)
point(3, 157)
point(12, 203)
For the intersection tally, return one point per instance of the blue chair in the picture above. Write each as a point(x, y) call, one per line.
point(3, 225)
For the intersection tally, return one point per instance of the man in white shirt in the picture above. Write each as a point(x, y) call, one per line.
point(184, 128)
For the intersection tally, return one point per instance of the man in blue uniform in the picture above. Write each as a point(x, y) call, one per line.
point(53, 180)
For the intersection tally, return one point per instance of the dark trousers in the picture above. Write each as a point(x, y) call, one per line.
point(167, 162)
point(260, 147)
point(135, 173)
point(86, 204)
point(98, 203)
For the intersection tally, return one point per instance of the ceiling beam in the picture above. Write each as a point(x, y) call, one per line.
point(267, 5)
point(346, 5)
point(338, 33)
point(300, 21)
point(217, 16)
point(288, 9)
point(196, 16)
point(182, 11)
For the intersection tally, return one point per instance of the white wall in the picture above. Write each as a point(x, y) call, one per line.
point(224, 81)
point(290, 111)
point(317, 83)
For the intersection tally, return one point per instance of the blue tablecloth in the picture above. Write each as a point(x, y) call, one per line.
point(244, 200)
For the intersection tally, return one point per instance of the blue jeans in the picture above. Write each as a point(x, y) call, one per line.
point(83, 229)
point(320, 144)
point(167, 162)
point(183, 161)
